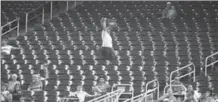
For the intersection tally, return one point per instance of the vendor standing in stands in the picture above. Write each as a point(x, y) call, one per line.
point(172, 13)
point(169, 11)
point(107, 42)
point(101, 88)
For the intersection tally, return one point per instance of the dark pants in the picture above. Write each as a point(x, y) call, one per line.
point(181, 97)
point(16, 97)
point(107, 53)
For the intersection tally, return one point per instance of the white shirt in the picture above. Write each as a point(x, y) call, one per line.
point(197, 95)
point(171, 13)
point(3, 95)
point(6, 49)
point(106, 39)
point(81, 95)
point(11, 85)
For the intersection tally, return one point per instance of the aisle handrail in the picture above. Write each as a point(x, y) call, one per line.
point(65, 99)
point(11, 29)
point(152, 90)
point(140, 97)
point(108, 95)
point(134, 98)
point(206, 65)
point(29, 19)
point(187, 66)
point(130, 92)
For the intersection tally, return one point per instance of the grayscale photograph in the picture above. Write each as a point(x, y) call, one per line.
point(109, 51)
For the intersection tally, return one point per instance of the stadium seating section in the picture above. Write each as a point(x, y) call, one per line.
point(146, 47)
point(13, 9)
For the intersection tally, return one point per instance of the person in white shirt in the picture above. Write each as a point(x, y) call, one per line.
point(6, 96)
point(36, 84)
point(101, 88)
point(172, 13)
point(6, 49)
point(13, 82)
point(192, 95)
point(107, 42)
point(168, 97)
point(216, 98)
point(80, 94)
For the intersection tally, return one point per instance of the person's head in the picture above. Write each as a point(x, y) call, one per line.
point(14, 77)
point(102, 18)
point(36, 77)
point(79, 88)
point(4, 42)
point(173, 7)
point(101, 80)
point(169, 91)
point(207, 94)
point(45, 65)
point(176, 79)
point(169, 4)
point(190, 87)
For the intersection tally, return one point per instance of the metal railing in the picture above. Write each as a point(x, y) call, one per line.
point(155, 81)
point(148, 92)
point(67, 6)
point(109, 97)
point(126, 92)
point(11, 29)
point(37, 15)
point(51, 9)
point(189, 73)
point(65, 99)
point(206, 65)
point(134, 98)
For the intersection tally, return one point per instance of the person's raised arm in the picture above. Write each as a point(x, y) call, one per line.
point(104, 24)
point(46, 72)
point(15, 47)
point(97, 88)
point(88, 95)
